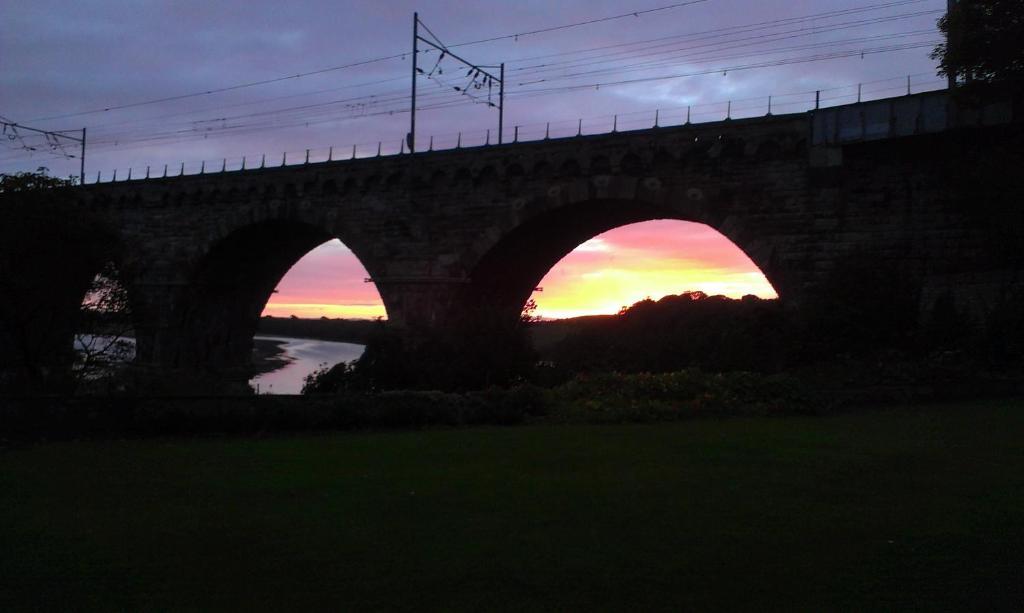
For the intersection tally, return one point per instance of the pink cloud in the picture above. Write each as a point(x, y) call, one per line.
point(614, 269)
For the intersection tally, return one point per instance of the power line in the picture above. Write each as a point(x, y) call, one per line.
point(759, 39)
point(732, 43)
point(726, 31)
point(708, 105)
point(578, 24)
point(524, 70)
point(783, 62)
point(350, 65)
point(249, 103)
point(530, 93)
point(391, 102)
point(222, 89)
point(53, 141)
point(702, 55)
point(720, 32)
point(372, 100)
point(356, 107)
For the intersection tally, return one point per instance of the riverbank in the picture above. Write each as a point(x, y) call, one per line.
point(896, 509)
point(357, 331)
point(268, 355)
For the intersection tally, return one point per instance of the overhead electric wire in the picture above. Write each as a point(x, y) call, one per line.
point(647, 56)
point(785, 62)
point(777, 35)
point(757, 40)
point(577, 24)
point(220, 89)
point(535, 92)
point(697, 112)
point(733, 29)
point(702, 55)
point(728, 30)
point(711, 104)
point(248, 103)
point(398, 96)
point(349, 65)
point(750, 41)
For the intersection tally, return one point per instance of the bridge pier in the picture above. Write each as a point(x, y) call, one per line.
point(46, 268)
point(419, 305)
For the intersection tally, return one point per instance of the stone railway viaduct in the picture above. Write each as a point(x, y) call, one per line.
point(921, 183)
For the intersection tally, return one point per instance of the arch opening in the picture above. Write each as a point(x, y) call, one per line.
point(668, 292)
point(646, 260)
point(53, 298)
point(260, 269)
point(322, 313)
point(592, 233)
point(104, 334)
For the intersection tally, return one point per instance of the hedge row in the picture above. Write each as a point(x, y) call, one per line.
point(609, 398)
point(75, 417)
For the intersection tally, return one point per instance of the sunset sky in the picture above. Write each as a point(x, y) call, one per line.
point(612, 270)
point(169, 82)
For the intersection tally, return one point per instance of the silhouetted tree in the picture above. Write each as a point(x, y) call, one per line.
point(984, 41)
point(105, 326)
point(50, 252)
point(680, 331)
point(481, 348)
point(32, 181)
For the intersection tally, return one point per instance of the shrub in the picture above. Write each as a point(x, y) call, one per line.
point(644, 397)
point(73, 417)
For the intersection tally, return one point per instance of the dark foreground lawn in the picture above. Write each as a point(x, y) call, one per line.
point(888, 510)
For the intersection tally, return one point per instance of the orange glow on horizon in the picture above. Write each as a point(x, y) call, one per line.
point(606, 291)
point(618, 268)
point(327, 282)
point(308, 310)
point(647, 260)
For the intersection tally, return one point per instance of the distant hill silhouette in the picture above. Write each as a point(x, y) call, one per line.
point(341, 330)
point(674, 332)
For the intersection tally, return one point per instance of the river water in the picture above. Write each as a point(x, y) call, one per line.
point(302, 356)
point(305, 355)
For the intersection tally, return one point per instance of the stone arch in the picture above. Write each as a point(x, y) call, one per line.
point(46, 269)
point(216, 311)
point(510, 266)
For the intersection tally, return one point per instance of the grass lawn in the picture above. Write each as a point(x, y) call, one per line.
point(888, 510)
